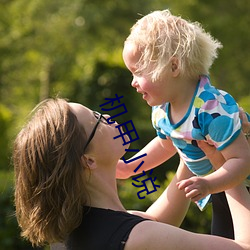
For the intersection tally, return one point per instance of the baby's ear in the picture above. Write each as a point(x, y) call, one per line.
point(89, 161)
point(175, 66)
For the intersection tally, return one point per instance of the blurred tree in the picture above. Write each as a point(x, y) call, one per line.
point(5, 123)
point(10, 238)
point(228, 22)
point(72, 48)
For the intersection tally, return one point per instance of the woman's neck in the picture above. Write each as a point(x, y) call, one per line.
point(102, 189)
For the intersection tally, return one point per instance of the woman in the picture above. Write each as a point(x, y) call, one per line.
point(65, 189)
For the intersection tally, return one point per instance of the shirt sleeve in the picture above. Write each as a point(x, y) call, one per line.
point(219, 120)
point(159, 121)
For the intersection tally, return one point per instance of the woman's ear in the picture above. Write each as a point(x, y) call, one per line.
point(175, 66)
point(90, 161)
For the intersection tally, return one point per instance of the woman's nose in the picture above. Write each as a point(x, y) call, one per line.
point(109, 119)
point(106, 116)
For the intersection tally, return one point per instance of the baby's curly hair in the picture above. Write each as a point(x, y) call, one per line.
point(160, 36)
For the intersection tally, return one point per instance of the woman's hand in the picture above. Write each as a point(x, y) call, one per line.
point(245, 124)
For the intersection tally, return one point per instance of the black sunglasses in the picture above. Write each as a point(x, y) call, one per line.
point(100, 118)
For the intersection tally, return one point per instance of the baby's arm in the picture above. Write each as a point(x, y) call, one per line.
point(158, 151)
point(234, 171)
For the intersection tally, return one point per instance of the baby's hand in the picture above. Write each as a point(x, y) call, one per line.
point(122, 170)
point(195, 187)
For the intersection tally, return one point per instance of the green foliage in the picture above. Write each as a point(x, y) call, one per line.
point(73, 48)
point(5, 124)
point(9, 231)
point(245, 103)
point(228, 22)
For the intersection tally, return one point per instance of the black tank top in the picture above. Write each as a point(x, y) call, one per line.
point(102, 229)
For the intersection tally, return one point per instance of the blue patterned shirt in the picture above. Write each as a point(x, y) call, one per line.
point(213, 115)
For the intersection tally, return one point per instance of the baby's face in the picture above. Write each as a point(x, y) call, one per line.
point(154, 93)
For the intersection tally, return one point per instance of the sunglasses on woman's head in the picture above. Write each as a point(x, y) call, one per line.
point(100, 118)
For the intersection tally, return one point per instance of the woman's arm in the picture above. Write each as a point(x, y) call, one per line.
point(239, 203)
point(160, 236)
point(245, 123)
point(171, 207)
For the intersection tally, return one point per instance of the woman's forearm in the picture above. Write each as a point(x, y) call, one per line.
point(171, 207)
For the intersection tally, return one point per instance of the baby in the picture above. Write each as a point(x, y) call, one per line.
point(170, 59)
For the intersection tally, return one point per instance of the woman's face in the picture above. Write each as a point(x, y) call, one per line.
point(103, 143)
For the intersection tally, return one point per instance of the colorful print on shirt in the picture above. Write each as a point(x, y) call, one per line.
point(213, 115)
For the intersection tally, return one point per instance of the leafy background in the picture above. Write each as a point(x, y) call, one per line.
point(72, 48)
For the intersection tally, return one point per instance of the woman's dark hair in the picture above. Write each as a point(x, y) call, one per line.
point(49, 180)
